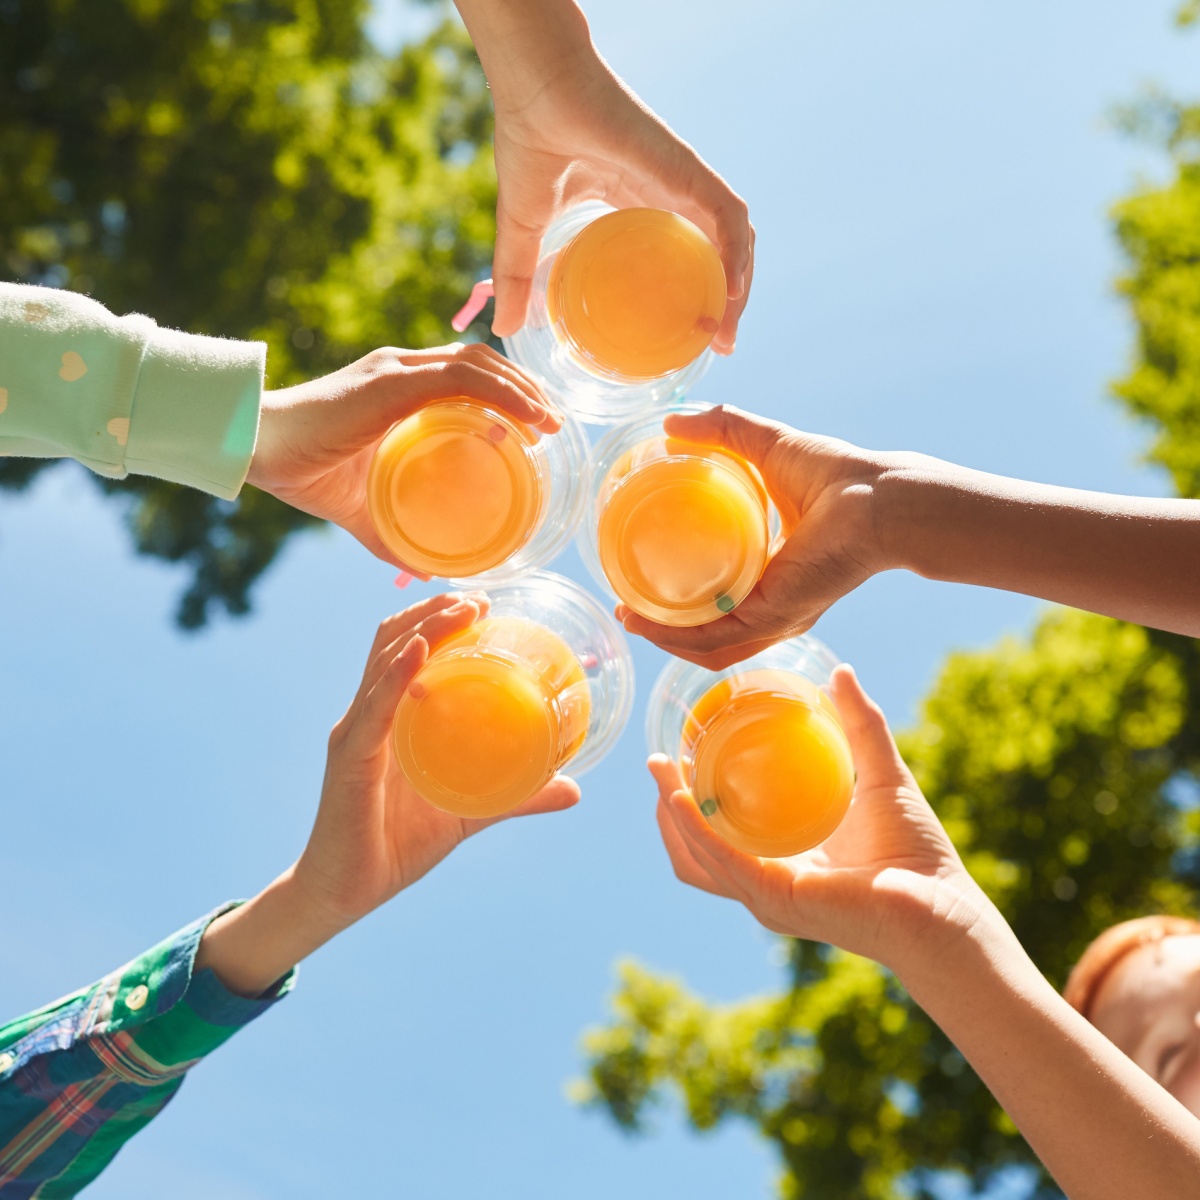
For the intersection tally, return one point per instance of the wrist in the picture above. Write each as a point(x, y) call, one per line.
point(314, 910)
point(909, 501)
point(259, 475)
point(526, 45)
point(968, 936)
point(252, 946)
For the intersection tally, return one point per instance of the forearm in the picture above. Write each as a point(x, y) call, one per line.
point(1102, 1127)
point(257, 943)
point(1127, 557)
point(525, 42)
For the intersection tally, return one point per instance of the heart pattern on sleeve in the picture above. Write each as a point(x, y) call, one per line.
point(73, 367)
point(119, 428)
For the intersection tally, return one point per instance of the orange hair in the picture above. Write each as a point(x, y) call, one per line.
point(1100, 959)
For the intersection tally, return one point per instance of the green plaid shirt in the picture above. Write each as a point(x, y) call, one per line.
point(80, 1077)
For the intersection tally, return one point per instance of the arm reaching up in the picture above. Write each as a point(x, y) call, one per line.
point(889, 884)
point(80, 1077)
point(849, 513)
point(568, 129)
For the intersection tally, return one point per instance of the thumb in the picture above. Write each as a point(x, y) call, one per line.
point(518, 244)
point(561, 793)
point(752, 437)
point(877, 761)
point(666, 775)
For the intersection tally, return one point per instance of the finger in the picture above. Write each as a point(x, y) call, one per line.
point(726, 340)
point(709, 202)
point(737, 875)
point(729, 216)
point(877, 761)
point(481, 355)
point(493, 360)
point(716, 645)
point(448, 372)
point(683, 862)
point(370, 727)
point(518, 245)
point(390, 628)
point(434, 629)
point(561, 793)
point(481, 381)
point(688, 869)
point(666, 774)
point(744, 433)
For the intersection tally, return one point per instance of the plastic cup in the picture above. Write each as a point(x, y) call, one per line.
point(625, 303)
point(760, 746)
point(679, 532)
point(544, 681)
point(465, 492)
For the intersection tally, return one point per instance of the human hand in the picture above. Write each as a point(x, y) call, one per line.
point(825, 491)
point(316, 439)
point(374, 835)
point(887, 883)
point(567, 130)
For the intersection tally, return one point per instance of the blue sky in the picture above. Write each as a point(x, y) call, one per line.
point(930, 184)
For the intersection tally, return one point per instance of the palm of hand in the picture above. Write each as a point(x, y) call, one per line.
point(330, 481)
point(878, 886)
point(876, 879)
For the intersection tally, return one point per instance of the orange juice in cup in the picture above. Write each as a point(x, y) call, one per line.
point(760, 746)
point(624, 305)
point(459, 489)
point(638, 293)
point(680, 532)
point(545, 680)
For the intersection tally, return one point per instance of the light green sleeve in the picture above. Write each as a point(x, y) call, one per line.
point(124, 396)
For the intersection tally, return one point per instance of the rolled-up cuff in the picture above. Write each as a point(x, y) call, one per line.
point(194, 418)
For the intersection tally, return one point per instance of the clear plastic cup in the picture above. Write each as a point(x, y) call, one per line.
point(679, 532)
point(620, 317)
point(543, 682)
point(760, 746)
point(464, 492)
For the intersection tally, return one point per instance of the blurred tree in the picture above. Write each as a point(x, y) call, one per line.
point(1065, 767)
point(247, 168)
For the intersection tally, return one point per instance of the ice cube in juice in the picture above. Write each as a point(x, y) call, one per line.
point(456, 489)
point(768, 762)
point(683, 531)
point(638, 293)
point(491, 716)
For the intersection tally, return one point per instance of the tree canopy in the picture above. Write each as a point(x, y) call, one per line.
point(244, 168)
point(1065, 767)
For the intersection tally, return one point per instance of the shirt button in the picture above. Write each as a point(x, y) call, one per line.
point(137, 997)
point(6, 1061)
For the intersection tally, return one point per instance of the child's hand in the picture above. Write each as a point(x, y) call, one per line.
point(825, 491)
point(887, 884)
point(315, 440)
point(374, 835)
point(567, 130)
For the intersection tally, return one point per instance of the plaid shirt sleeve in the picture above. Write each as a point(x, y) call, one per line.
point(80, 1077)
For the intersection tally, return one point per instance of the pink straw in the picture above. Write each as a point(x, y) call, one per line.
point(481, 293)
point(404, 579)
